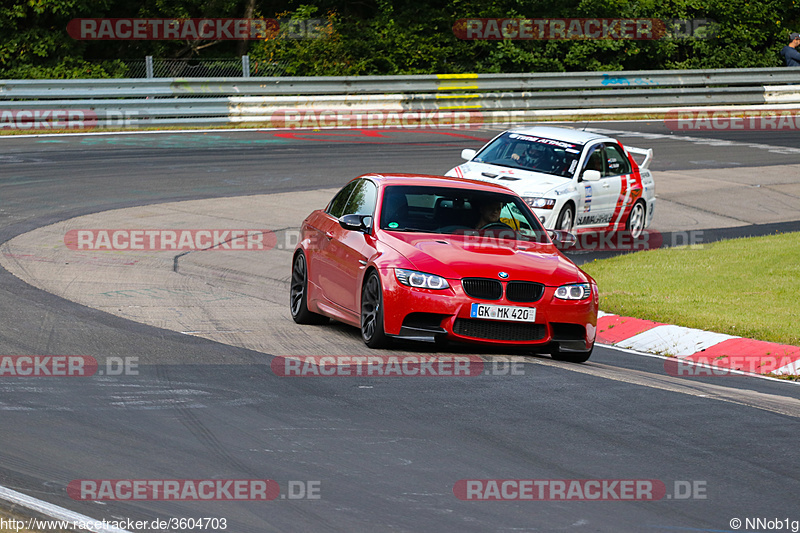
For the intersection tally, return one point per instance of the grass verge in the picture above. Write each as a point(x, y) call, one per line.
point(745, 287)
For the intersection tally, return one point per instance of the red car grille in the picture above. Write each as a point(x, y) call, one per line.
point(483, 288)
point(492, 289)
point(499, 331)
point(524, 291)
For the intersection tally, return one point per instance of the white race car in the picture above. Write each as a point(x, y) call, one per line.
point(573, 180)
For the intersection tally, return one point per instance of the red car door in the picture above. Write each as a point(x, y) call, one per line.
point(323, 246)
point(345, 254)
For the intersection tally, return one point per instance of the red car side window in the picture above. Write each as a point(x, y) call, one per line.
point(337, 205)
point(362, 200)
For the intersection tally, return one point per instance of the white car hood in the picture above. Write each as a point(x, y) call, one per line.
point(528, 183)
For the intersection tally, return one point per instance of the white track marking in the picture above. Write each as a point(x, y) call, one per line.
point(54, 511)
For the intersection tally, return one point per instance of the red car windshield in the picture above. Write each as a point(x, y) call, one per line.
point(457, 211)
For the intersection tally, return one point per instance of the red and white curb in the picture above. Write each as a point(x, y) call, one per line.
point(697, 346)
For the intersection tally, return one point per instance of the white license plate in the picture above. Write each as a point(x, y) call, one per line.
point(503, 312)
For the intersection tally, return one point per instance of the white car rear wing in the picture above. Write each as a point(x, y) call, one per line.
point(648, 155)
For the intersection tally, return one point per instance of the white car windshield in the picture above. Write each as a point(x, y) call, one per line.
point(528, 152)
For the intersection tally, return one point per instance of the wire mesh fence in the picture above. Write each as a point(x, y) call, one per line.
point(202, 68)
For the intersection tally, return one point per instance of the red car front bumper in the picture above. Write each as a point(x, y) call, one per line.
point(424, 314)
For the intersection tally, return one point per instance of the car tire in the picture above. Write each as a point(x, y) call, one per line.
point(571, 357)
point(372, 331)
point(566, 219)
point(298, 293)
point(636, 219)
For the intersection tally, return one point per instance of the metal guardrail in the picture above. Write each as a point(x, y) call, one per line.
point(127, 88)
point(30, 104)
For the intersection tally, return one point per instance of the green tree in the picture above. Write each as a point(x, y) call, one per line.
point(397, 36)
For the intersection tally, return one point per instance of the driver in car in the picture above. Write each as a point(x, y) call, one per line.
point(532, 156)
point(490, 215)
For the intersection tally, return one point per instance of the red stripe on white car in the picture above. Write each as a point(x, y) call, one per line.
point(622, 201)
point(631, 189)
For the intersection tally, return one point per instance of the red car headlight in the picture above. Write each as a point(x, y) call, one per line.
point(420, 280)
point(577, 291)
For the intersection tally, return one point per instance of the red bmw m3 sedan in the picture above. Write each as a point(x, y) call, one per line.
point(434, 258)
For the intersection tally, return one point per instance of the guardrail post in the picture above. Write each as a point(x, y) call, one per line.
point(148, 66)
point(245, 66)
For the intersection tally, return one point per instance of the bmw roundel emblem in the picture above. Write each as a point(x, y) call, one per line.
point(503, 275)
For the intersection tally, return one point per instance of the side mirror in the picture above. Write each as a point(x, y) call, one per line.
point(468, 154)
point(362, 223)
point(563, 240)
point(591, 175)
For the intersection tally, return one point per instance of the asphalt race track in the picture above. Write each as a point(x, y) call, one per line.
point(385, 453)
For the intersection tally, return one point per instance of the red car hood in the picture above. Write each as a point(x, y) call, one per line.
point(455, 257)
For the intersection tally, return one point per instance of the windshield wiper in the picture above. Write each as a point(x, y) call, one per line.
point(410, 229)
point(506, 166)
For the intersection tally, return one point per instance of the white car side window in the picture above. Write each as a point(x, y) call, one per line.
point(616, 162)
point(595, 160)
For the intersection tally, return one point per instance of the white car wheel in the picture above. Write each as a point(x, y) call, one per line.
point(636, 220)
point(566, 219)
